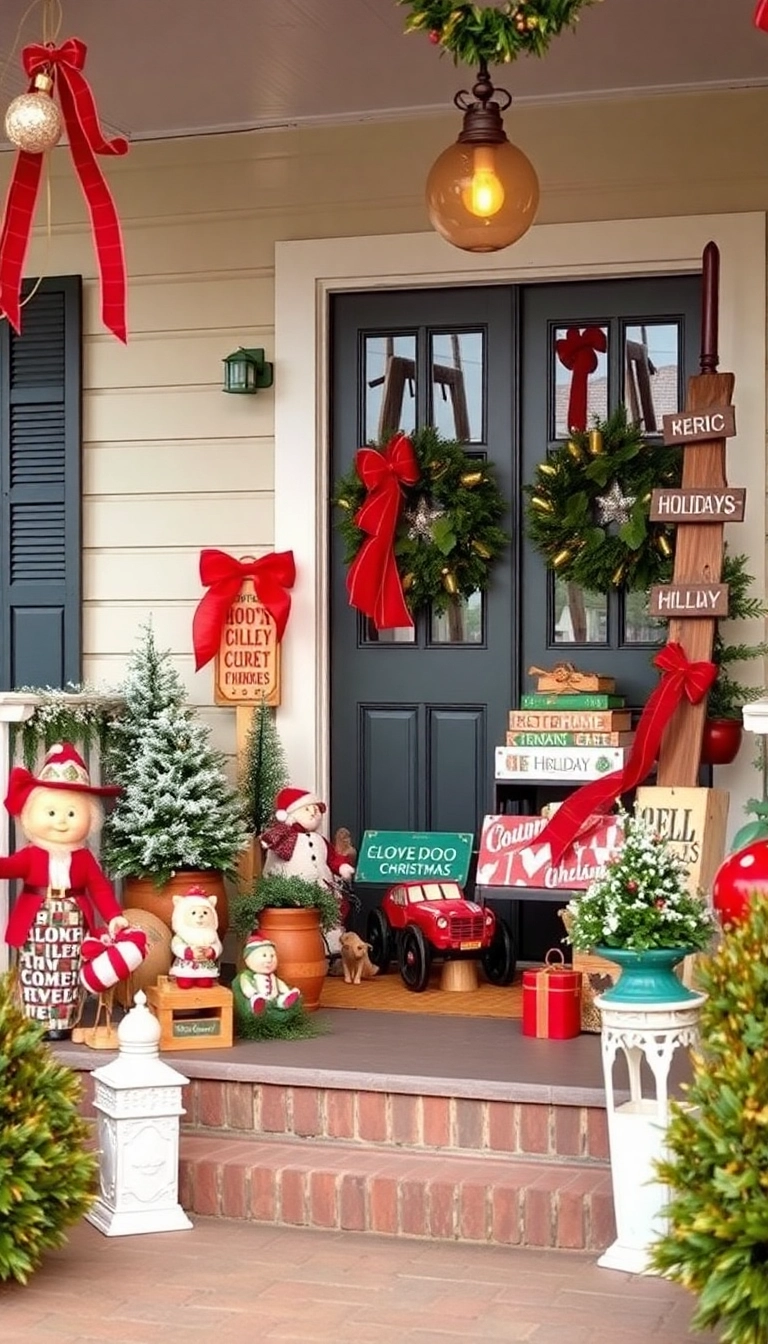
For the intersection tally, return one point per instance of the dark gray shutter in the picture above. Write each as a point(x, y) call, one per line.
point(40, 490)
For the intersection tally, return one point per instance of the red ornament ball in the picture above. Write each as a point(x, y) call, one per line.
point(737, 879)
point(435, 36)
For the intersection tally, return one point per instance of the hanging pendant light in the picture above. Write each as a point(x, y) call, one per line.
point(482, 193)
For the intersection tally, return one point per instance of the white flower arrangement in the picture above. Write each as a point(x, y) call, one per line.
point(640, 900)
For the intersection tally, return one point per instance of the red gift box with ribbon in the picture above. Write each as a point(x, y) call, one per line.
point(552, 1000)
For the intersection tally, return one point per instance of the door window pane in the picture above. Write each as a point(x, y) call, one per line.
point(574, 376)
point(579, 617)
point(462, 623)
point(389, 392)
point(638, 626)
point(651, 372)
point(405, 634)
point(457, 361)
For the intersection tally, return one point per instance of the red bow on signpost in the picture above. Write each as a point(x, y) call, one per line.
point(86, 139)
point(373, 581)
point(223, 576)
point(578, 352)
point(679, 678)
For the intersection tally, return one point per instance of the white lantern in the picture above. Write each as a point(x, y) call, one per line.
point(138, 1100)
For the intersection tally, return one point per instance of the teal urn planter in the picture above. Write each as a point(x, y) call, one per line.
point(647, 977)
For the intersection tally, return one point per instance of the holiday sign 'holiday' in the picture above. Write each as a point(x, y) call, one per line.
point(248, 658)
point(699, 506)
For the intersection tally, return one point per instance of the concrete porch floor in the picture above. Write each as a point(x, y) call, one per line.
point(237, 1281)
point(457, 1056)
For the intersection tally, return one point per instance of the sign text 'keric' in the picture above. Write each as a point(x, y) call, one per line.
point(719, 422)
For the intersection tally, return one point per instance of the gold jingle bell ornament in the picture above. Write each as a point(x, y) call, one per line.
point(33, 121)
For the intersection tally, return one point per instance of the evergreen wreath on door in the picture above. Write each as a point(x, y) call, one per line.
point(420, 521)
point(588, 507)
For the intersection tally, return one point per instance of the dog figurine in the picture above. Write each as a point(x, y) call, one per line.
point(355, 960)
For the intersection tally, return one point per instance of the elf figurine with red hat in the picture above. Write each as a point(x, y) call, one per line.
point(259, 985)
point(64, 891)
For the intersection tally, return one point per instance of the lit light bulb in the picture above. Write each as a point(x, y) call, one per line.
point(484, 196)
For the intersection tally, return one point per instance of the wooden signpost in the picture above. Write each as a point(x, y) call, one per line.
point(704, 425)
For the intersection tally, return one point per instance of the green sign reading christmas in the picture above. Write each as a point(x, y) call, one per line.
point(406, 856)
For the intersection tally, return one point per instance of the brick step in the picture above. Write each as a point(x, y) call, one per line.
point(412, 1120)
point(490, 1199)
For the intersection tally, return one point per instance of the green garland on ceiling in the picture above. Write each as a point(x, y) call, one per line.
point(587, 508)
point(448, 534)
point(490, 34)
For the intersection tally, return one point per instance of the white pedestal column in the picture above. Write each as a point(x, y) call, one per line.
point(647, 1035)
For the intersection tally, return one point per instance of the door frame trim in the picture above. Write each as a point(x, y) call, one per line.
point(308, 272)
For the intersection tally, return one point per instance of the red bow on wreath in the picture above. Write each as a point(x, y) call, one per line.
point(679, 678)
point(86, 140)
point(578, 352)
point(761, 15)
point(223, 576)
point(373, 581)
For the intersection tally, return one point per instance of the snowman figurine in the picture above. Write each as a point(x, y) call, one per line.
point(294, 847)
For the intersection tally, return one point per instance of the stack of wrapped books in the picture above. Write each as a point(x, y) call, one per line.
point(574, 727)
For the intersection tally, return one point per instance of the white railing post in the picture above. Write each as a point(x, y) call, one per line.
point(15, 707)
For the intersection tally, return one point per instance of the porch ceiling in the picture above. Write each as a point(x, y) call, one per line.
point(174, 67)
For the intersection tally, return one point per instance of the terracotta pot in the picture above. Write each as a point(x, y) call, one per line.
point(721, 741)
point(140, 893)
point(301, 955)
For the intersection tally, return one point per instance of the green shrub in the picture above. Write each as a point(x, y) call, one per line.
point(47, 1176)
point(716, 1242)
point(279, 892)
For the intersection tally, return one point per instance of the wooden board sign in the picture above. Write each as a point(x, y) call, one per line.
point(693, 821)
point(509, 855)
point(248, 660)
point(690, 600)
point(698, 506)
point(410, 856)
point(716, 422)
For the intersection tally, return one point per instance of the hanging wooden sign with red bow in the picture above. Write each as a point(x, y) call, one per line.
point(60, 69)
point(240, 622)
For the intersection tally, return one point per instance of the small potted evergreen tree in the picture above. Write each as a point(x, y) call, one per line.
point(295, 913)
point(263, 774)
point(728, 696)
point(178, 822)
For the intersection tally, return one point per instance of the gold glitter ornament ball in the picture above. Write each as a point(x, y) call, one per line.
point(33, 122)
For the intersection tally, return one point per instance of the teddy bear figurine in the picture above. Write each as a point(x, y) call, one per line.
point(195, 945)
point(259, 983)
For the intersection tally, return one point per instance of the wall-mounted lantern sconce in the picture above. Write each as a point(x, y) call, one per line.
point(246, 371)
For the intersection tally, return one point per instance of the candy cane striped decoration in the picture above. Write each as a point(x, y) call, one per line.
point(107, 961)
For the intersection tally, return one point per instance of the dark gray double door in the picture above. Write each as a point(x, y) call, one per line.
point(415, 715)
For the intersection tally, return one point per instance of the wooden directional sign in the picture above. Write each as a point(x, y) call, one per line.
point(698, 506)
point(248, 659)
point(717, 422)
point(689, 600)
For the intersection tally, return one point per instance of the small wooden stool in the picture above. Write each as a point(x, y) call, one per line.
point(459, 977)
point(191, 1019)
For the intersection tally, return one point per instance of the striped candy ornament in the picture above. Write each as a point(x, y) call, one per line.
point(107, 961)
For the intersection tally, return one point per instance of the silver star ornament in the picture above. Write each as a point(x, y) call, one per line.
point(422, 519)
point(614, 507)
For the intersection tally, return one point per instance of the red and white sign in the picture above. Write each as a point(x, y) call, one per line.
point(510, 857)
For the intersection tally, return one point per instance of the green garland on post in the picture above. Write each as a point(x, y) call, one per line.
point(491, 34)
point(587, 509)
point(448, 533)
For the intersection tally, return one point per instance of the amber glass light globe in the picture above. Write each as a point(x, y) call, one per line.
point(482, 197)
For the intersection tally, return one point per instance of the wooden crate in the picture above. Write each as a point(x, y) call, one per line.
point(191, 1019)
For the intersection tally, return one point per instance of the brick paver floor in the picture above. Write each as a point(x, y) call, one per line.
point(228, 1283)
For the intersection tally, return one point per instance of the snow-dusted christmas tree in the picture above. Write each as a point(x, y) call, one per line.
point(177, 809)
